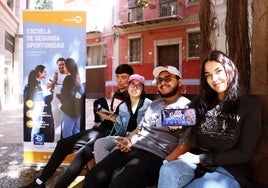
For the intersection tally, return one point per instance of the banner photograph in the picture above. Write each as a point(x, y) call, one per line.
point(54, 53)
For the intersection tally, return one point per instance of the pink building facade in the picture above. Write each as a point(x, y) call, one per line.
point(145, 34)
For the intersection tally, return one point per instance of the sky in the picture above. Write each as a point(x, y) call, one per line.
point(99, 12)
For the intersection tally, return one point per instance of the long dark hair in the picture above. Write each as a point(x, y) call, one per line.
point(208, 96)
point(73, 69)
point(39, 68)
point(33, 84)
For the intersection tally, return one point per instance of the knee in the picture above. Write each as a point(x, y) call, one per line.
point(180, 172)
point(166, 169)
point(176, 168)
point(97, 144)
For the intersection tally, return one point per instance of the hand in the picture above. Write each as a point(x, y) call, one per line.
point(55, 77)
point(123, 144)
point(106, 116)
point(190, 157)
point(174, 128)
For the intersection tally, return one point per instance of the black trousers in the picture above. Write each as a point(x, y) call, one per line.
point(81, 143)
point(134, 169)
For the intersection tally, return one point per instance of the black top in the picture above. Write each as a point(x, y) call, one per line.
point(118, 98)
point(229, 140)
point(71, 105)
point(132, 123)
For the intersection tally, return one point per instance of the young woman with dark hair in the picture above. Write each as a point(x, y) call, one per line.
point(130, 115)
point(227, 132)
point(71, 101)
point(33, 102)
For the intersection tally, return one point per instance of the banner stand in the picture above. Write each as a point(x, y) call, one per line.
point(48, 36)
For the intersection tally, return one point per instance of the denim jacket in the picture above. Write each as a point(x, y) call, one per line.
point(122, 120)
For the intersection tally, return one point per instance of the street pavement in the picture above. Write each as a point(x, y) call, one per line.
point(11, 129)
point(12, 172)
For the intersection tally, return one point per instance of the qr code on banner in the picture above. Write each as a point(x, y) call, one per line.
point(178, 117)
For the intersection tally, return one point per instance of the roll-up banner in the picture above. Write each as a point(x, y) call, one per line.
point(54, 58)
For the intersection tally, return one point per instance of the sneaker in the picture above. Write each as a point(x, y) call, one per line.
point(34, 185)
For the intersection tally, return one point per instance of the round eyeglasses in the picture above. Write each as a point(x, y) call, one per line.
point(136, 86)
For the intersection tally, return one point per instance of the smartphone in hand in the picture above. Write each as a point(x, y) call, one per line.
point(126, 147)
point(103, 110)
point(178, 117)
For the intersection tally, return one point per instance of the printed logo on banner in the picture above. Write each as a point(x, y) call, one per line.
point(39, 139)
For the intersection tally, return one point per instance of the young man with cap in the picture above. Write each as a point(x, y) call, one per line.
point(148, 145)
point(82, 143)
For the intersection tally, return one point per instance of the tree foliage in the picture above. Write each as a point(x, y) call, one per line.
point(44, 4)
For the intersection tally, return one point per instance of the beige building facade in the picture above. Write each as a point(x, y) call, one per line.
point(11, 54)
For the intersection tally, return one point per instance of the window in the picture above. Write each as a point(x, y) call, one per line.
point(96, 55)
point(194, 44)
point(10, 4)
point(135, 50)
point(193, 1)
point(135, 11)
point(135, 14)
point(9, 42)
point(168, 9)
point(8, 66)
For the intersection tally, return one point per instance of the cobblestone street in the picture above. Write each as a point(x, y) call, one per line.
point(12, 172)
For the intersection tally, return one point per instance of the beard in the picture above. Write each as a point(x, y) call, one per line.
point(173, 92)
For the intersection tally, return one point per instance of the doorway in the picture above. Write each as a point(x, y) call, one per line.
point(95, 87)
point(168, 52)
point(168, 55)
